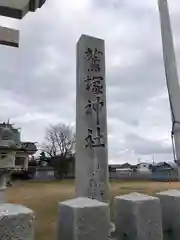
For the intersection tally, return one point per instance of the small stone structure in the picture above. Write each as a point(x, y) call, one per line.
point(16, 222)
point(138, 217)
point(83, 218)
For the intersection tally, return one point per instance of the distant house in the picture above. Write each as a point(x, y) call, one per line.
point(14, 153)
point(165, 171)
point(120, 170)
point(124, 167)
point(143, 167)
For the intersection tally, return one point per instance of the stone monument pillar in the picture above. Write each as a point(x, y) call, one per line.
point(91, 121)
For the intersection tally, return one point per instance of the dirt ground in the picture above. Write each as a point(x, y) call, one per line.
point(43, 198)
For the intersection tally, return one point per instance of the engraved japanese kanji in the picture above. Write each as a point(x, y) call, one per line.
point(94, 57)
point(94, 84)
point(95, 106)
point(94, 141)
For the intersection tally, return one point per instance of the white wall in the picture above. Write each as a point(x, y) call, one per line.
point(143, 167)
point(25, 160)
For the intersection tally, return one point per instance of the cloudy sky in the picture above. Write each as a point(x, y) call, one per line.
point(38, 79)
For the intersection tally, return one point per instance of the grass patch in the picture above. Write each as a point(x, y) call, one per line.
point(43, 198)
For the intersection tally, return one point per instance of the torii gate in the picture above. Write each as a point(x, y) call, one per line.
point(10, 37)
point(15, 9)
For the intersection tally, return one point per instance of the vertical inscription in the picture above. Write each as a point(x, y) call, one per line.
point(94, 86)
point(91, 122)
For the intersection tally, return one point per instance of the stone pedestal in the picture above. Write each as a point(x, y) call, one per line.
point(170, 203)
point(83, 219)
point(138, 217)
point(16, 222)
point(91, 121)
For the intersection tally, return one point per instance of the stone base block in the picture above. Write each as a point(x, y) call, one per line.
point(16, 222)
point(138, 217)
point(83, 219)
point(170, 203)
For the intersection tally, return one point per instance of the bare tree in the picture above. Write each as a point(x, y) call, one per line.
point(59, 145)
point(59, 140)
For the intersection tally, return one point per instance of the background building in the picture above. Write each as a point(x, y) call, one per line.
point(14, 153)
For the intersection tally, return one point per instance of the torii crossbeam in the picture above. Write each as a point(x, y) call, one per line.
point(15, 9)
point(9, 37)
point(19, 8)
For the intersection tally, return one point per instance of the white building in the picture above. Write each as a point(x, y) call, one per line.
point(143, 167)
point(14, 153)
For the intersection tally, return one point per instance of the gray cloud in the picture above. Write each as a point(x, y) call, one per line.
point(38, 79)
point(142, 146)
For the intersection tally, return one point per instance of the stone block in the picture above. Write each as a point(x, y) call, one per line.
point(170, 204)
point(16, 222)
point(19, 8)
point(138, 217)
point(83, 219)
point(9, 37)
